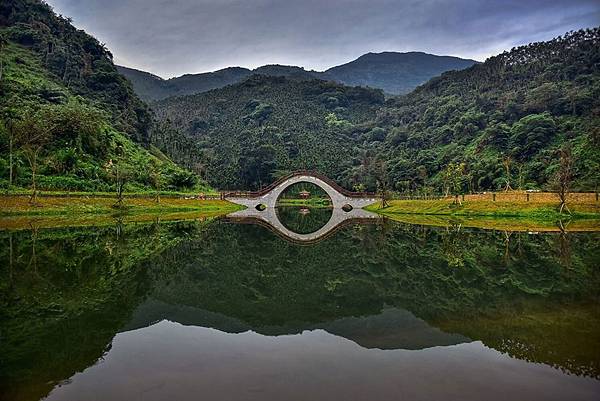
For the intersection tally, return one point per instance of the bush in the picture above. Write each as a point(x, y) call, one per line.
point(70, 183)
point(182, 179)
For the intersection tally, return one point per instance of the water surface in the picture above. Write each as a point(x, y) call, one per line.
point(212, 309)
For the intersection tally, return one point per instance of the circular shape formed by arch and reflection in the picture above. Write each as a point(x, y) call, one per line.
point(269, 199)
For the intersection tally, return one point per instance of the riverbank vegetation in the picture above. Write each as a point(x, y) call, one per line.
point(506, 224)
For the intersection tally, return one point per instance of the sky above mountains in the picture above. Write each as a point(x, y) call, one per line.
point(174, 37)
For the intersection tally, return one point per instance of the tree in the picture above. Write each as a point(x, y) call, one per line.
point(32, 134)
point(380, 174)
point(454, 175)
point(9, 116)
point(3, 43)
point(564, 176)
point(121, 172)
point(157, 179)
point(506, 162)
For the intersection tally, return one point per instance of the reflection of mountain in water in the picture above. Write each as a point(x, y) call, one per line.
point(66, 292)
point(391, 329)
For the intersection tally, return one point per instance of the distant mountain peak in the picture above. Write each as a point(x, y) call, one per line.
point(393, 72)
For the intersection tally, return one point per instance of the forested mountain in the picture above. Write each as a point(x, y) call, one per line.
point(498, 122)
point(150, 87)
point(504, 119)
point(394, 73)
point(245, 134)
point(66, 113)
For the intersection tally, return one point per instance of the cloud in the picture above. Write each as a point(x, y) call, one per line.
point(171, 38)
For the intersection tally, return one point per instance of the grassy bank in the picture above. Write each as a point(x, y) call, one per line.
point(27, 222)
point(543, 210)
point(61, 204)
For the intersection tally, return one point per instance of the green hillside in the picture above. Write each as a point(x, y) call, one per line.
point(68, 115)
point(499, 122)
point(247, 134)
point(494, 124)
point(517, 108)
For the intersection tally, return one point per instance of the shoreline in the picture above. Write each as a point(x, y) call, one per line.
point(60, 210)
point(539, 211)
point(76, 205)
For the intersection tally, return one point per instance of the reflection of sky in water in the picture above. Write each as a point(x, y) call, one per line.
point(171, 361)
point(381, 311)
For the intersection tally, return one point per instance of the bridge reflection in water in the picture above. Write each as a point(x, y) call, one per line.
point(270, 219)
point(261, 206)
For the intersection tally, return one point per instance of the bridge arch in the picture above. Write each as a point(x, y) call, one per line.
point(346, 204)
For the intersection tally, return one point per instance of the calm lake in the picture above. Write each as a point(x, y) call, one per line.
point(219, 309)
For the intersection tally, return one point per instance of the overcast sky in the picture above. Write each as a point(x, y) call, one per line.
point(174, 37)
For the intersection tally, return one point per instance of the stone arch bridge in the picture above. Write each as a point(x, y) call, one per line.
point(260, 205)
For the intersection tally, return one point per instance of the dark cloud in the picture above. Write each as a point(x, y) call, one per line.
point(185, 36)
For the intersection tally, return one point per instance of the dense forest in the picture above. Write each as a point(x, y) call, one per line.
point(492, 126)
point(504, 119)
point(247, 134)
point(68, 119)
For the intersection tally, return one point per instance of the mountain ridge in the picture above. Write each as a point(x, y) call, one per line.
point(393, 72)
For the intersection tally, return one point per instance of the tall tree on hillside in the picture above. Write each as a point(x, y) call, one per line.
point(507, 162)
point(32, 135)
point(563, 177)
point(9, 117)
point(120, 171)
point(3, 43)
point(455, 174)
point(381, 177)
point(157, 179)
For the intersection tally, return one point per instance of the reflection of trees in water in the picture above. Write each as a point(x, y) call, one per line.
point(564, 244)
point(561, 334)
point(458, 279)
point(67, 292)
point(301, 223)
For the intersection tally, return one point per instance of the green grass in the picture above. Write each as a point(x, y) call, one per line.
point(537, 211)
point(77, 205)
point(148, 192)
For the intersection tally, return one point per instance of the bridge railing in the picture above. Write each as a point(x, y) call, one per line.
point(324, 178)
